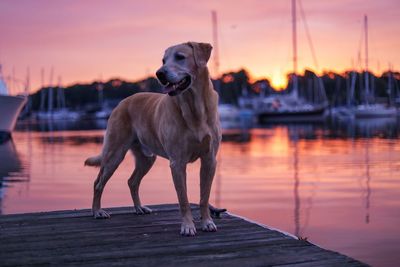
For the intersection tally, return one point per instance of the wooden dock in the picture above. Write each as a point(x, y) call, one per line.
point(74, 238)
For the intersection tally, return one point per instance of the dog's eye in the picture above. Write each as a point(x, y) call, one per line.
point(179, 57)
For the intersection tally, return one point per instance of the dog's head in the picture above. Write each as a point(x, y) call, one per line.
point(181, 64)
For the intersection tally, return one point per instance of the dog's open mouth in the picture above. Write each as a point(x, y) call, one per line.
point(176, 88)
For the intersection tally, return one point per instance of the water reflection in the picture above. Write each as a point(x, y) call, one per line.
point(368, 183)
point(11, 169)
point(367, 128)
point(335, 182)
point(61, 125)
point(330, 128)
point(295, 133)
point(296, 191)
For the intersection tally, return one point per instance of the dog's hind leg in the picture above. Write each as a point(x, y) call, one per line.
point(116, 145)
point(107, 169)
point(143, 164)
point(98, 188)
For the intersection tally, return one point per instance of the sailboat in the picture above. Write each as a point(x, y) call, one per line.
point(10, 108)
point(369, 109)
point(106, 110)
point(230, 116)
point(393, 89)
point(59, 111)
point(285, 107)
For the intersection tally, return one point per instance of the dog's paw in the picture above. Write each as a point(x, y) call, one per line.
point(141, 210)
point(208, 225)
point(188, 229)
point(101, 214)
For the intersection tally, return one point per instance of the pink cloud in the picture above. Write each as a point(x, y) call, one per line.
point(83, 39)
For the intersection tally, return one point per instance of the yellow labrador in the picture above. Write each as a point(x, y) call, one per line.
point(182, 126)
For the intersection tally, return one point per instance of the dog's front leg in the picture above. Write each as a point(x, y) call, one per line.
point(207, 172)
point(178, 170)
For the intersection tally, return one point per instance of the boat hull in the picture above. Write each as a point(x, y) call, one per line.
point(59, 114)
point(374, 111)
point(292, 116)
point(232, 117)
point(10, 107)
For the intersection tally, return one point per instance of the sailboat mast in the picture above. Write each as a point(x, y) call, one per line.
point(215, 43)
point(28, 82)
point(42, 92)
point(27, 107)
point(366, 59)
point(50, 96)
point(294, 42)
point(390, 87)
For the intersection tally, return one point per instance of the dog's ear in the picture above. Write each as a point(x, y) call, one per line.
point(201, 52)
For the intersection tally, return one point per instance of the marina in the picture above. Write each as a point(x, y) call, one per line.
point(308, 104)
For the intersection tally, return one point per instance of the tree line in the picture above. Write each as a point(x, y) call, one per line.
point(230, 87)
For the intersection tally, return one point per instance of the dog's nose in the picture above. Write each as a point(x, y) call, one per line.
point(162, 77)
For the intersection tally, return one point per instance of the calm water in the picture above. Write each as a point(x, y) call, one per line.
point(336, 184)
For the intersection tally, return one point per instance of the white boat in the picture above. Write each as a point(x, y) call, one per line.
point(365, 111)
point(368, 109)
point(374, 111)
point(231, 117)
point(58, 114)
point(103, 113)
point(10, 107)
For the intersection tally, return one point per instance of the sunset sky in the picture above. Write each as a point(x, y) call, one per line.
point(89, 40)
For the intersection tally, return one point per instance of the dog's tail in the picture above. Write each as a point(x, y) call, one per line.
point(94, 161)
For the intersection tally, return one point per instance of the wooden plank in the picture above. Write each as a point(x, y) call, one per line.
point(74, 238)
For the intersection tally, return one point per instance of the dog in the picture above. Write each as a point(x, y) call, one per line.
point(181, 125)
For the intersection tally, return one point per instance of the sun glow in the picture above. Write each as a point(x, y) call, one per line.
point(279, 80)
